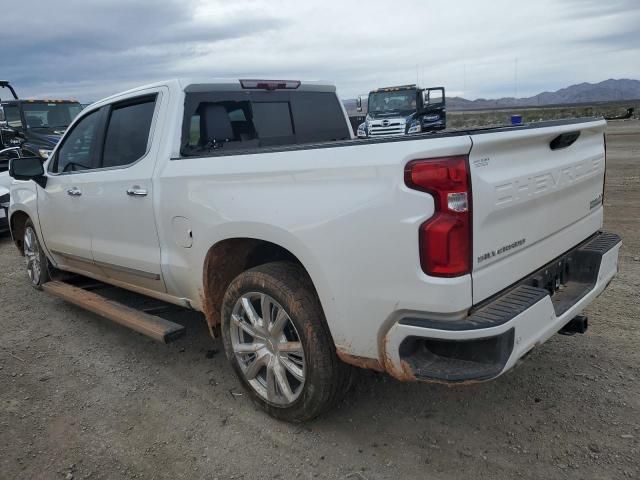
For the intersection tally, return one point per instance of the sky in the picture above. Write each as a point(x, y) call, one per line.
point(89, 49)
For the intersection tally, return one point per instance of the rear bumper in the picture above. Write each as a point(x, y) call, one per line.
point(497, 333)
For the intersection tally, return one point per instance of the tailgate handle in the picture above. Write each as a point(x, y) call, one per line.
point(564, 140)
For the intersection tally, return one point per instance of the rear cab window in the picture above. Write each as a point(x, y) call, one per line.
point(219, 122)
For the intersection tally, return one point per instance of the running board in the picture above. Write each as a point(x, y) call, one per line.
point(152, 326)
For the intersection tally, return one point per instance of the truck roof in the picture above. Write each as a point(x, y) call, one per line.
point(393, 89)
point(204, 84)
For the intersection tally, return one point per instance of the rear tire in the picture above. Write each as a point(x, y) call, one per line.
point(36, 260)
point(277, 340)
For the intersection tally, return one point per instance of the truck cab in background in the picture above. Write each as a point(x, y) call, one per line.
point(34, 125)
point(403, 110)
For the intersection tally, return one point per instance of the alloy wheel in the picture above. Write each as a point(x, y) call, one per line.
point(268, 348)
point(32, 255)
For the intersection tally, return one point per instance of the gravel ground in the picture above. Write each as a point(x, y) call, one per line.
point(81, 397)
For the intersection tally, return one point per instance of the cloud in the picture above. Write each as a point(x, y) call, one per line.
point(102, 47)
point(480, 49)
point(596, 8)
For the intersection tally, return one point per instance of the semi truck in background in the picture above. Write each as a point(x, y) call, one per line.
point(403, 110)
point(33, 125)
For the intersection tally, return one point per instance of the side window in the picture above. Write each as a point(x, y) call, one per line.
point(76, 153)
point(128, 132)
point(12, 116)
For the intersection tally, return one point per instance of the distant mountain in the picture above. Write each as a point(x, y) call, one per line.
point(607, 91)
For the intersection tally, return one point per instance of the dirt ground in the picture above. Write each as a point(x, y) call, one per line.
point(81, 397)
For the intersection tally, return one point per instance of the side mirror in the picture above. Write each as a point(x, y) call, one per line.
point(359, 104)
point(28, 168)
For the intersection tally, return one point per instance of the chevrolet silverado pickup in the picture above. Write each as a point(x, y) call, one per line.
point(441, 257)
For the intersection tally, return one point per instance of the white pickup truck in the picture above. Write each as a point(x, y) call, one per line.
point(442, 257)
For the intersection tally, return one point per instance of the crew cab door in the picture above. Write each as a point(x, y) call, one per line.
point(63, 206)
point(124, 238)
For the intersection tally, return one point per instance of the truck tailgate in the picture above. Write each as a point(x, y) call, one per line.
point(537, 192)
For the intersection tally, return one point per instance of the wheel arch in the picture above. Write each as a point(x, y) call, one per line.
point(228, 258)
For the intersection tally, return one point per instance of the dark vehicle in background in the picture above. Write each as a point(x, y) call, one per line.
point(34, 125)
point(6, 155)
point(403, 110)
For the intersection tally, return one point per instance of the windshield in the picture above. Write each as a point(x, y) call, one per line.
point(50, 115)
point(398, 101)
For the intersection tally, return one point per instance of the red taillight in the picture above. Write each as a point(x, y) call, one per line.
point(445, 239)
point(270, 84)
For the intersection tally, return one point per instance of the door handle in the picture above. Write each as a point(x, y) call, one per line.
point(137, 191)
point(74, 192)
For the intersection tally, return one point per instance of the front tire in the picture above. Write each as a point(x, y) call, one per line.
point(36, 261)
point(278, 342)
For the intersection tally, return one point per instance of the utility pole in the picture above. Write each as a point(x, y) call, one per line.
point(464, 82)
point(515, 77)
